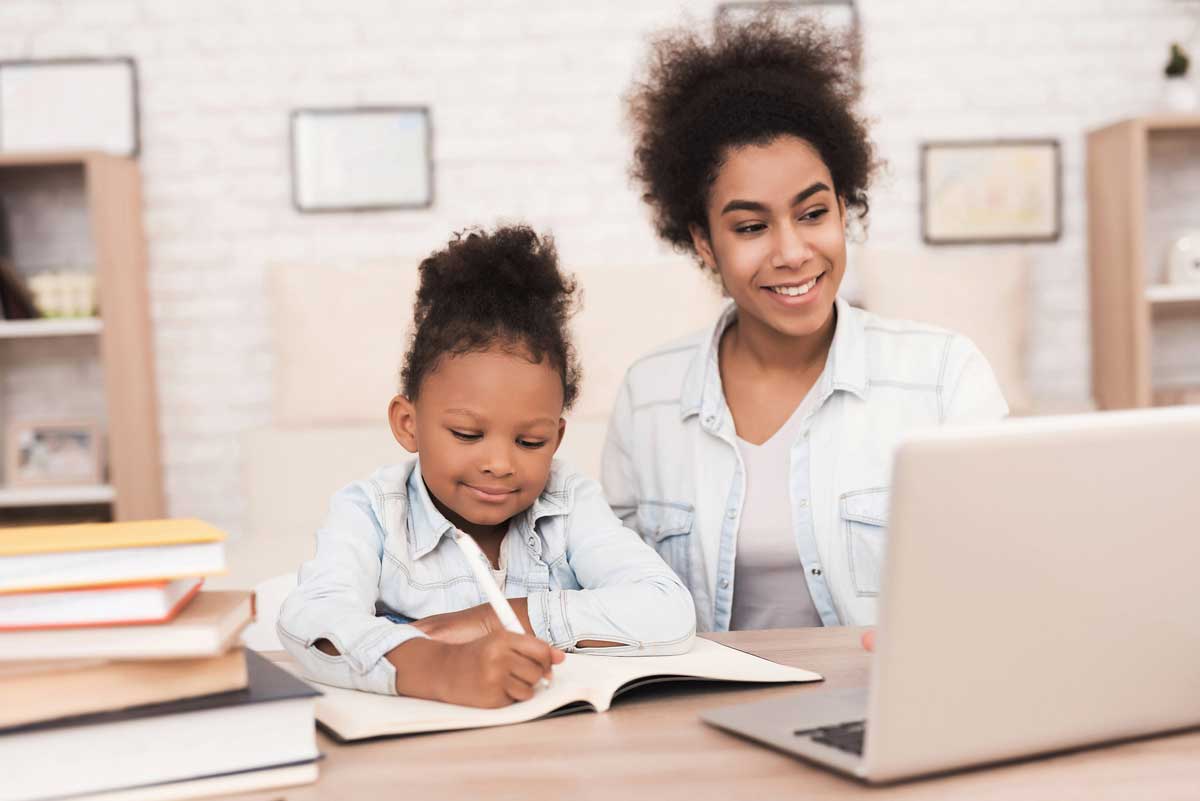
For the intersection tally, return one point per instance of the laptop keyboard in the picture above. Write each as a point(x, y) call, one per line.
point(846, 737)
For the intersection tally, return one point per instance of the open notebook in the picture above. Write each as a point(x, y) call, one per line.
point(582, 681)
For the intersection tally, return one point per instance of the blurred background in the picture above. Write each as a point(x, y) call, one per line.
point(297, 159)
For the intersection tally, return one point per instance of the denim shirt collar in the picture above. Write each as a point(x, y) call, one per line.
point(845, 367)
point(427, 525)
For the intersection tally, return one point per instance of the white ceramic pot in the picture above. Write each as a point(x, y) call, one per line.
point(1179, 94)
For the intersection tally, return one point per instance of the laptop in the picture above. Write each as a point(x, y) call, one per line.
point(1041, 593)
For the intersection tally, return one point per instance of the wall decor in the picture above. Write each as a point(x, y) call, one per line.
point(41, 452)
point(991, 191)
point(359, 159)
point(69, 104)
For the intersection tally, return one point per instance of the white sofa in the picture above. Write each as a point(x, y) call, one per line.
point(339, 335)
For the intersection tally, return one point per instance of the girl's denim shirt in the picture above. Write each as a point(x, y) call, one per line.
point(383, 559)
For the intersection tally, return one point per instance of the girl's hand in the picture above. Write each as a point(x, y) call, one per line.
point(471, 624)
point(491, 671)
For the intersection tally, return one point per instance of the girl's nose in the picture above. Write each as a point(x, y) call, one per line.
point(497, 462)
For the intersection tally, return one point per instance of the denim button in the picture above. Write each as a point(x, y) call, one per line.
point(724, 584)
point(731, 514)
point(708, 421)
point(803, 503)
point(816, 571)
point(532, 541)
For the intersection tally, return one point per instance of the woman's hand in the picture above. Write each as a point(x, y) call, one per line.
point(490, 671)
point(468, 625)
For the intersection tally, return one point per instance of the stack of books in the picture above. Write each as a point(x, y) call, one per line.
point(120, 678)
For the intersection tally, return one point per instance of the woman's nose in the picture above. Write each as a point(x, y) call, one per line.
point(792, 248)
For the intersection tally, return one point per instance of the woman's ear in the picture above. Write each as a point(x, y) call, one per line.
point(402, 416)
point(703, 246)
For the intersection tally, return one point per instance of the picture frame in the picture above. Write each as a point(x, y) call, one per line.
point(991, 191)
point(70, 104)
point(365, 158)
point(840, 16)
point(53, 452)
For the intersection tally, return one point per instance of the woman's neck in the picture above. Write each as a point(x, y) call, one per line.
point(763, 349)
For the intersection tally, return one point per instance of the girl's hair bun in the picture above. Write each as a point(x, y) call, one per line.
point(493, 288)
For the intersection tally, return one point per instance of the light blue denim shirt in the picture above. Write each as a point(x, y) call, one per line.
point(382, 553)
point(672, 470)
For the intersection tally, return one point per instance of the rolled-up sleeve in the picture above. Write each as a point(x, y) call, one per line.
point(629, 595)
point(335, 597)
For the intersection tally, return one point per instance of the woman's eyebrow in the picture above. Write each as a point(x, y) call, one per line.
point(752, 205)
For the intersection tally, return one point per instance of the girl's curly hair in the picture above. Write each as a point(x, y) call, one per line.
point(493, 289)
point(754, 81)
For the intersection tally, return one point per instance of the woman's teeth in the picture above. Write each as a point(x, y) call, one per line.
point(794, 290)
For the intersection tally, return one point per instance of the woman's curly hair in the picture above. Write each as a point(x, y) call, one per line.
point(753, 82)
point(499, 289)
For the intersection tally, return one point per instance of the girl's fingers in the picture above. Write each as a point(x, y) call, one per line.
point(517, 690)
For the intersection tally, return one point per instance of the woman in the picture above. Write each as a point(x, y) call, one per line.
point(756, 456)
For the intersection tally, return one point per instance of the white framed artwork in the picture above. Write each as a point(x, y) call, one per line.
point(69, 104)
point(359, 159)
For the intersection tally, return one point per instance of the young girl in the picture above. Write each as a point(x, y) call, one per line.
point(389, 604)
point(756, 456)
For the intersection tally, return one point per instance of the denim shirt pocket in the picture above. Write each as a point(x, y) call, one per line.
point(667, 527)
point(864, 523)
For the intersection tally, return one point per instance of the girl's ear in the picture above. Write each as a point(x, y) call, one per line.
point(562, 427)
point(402, 416)
point(703, 246)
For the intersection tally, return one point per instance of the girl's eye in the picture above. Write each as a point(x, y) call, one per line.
point(815, 214)
point(464, 436)
point(527, 443)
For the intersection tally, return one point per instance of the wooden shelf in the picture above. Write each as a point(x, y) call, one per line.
point(57, 496)
point(1170, 294)
point(30, 329)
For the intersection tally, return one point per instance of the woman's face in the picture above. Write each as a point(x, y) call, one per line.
point(776, 235)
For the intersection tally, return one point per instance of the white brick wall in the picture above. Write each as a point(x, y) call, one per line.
point(529, 124)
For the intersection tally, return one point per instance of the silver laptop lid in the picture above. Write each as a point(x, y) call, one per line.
point(1040, 592)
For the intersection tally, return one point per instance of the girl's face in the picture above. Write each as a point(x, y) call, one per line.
point(486, 425)
point(776, 235)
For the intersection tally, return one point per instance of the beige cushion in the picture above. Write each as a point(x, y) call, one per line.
point(339, 335)
point(981, 295)
point(628, 311)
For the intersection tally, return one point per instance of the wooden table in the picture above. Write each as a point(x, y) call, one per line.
point(653, 746)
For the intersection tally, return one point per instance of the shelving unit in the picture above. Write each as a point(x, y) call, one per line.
point(1125, 298)
point(111, 189)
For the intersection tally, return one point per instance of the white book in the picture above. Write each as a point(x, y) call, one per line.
point(224, 784)
point(208, 626)
point(149, 602)
point(582, 681)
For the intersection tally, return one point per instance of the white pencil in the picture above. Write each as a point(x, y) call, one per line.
point(482, 569)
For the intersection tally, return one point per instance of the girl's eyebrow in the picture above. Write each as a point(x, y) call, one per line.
point(524, 424)
point(752, 205)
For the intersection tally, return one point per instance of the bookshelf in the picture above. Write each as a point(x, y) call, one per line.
point(1125, 289)
point(109, 194)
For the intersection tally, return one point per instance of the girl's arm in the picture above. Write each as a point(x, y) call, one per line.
point(629, 594)
point(334, 602)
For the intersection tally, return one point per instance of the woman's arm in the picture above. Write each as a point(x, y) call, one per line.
point(972, 393)
point(616, 470)
point(629, 596)
point(328, 623)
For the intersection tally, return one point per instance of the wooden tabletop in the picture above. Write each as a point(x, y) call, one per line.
point(652, 745)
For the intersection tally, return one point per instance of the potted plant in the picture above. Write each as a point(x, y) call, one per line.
point(1179, 94)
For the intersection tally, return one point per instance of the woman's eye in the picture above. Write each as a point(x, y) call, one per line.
point(815, 214)
point(529, 443)
point(749, 228)
point(464, 436)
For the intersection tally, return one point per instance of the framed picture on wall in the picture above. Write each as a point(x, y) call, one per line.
point(358, 159)
point(41, 452)
point(69, 104)
point(991, 192)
